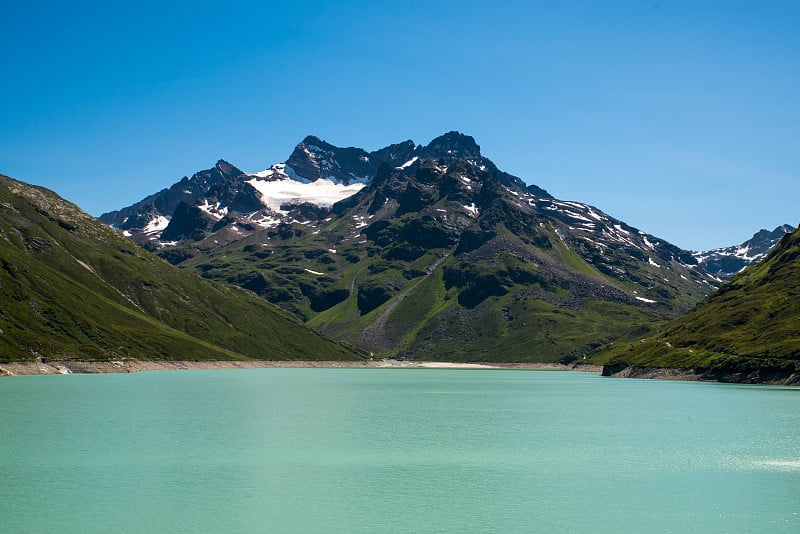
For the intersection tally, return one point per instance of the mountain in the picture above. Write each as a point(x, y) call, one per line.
point(725, 262)
point(748, 331)
point(443, 255)
point(71, 287)
point(139, 215)
point(231, 204)
point(316, 175)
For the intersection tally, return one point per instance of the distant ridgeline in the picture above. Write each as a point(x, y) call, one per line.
point(748, 331)
point(72, 288)
point(427, 252)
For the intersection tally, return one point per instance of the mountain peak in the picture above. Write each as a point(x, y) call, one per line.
point(454, 145)
point(227, 169)
point(729, 260)
point(312, 140)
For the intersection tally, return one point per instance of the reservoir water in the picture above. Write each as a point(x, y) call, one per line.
point(395, 450)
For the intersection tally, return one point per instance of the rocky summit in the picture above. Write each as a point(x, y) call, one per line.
point(727, 261)
point(419, 251)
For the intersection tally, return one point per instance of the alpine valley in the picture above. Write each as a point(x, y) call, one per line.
point(427, 252)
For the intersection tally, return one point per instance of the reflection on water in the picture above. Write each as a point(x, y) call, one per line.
point(781, 465)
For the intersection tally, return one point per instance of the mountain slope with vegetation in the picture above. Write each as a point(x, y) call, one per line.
point(71, 287)
point(443, 256)
point(747, 331)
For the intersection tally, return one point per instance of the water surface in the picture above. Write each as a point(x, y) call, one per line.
point(395, 450)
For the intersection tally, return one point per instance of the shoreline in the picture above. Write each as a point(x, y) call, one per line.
point(65, 367)
point(700, 375)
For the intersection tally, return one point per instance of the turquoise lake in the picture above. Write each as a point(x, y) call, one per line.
point(395, 450)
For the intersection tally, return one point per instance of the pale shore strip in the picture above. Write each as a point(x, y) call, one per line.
point(52, 367)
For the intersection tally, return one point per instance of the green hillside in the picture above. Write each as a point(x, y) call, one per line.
point(70, 287)
point(751, 325)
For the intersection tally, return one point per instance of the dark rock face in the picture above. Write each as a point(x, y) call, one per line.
point(188, 222)
point(235, 194)
point(188, 190)
point(306, 212)
point(141, 219)
point(314, 158)
point(453, 145)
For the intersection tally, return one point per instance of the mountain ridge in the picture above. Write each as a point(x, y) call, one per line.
point(317, 173)
point(727, 261)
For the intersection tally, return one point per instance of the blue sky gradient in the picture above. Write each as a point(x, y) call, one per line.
point(680, 118)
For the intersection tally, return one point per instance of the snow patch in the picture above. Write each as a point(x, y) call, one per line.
point(216, 210)
point(621, 229)
point(265, 221)
point(360, 223)
point(156, 225)
point(408, 163)
point(472, 209)
point(313, 272)
point(646, 300)
point(323, 192)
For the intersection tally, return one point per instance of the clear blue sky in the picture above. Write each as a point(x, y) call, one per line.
point(680, 118)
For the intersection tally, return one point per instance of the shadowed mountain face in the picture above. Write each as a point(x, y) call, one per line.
point(438, 254)
point(748, 331)
point(163, 203)
point(71, 287)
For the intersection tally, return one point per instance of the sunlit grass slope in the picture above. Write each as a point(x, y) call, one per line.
point(70, 287)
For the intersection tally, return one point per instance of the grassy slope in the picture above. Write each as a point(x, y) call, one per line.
point(71, 287)
point(428, 323)
point(531, 321)
point(516, 326)
point(752, 322)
